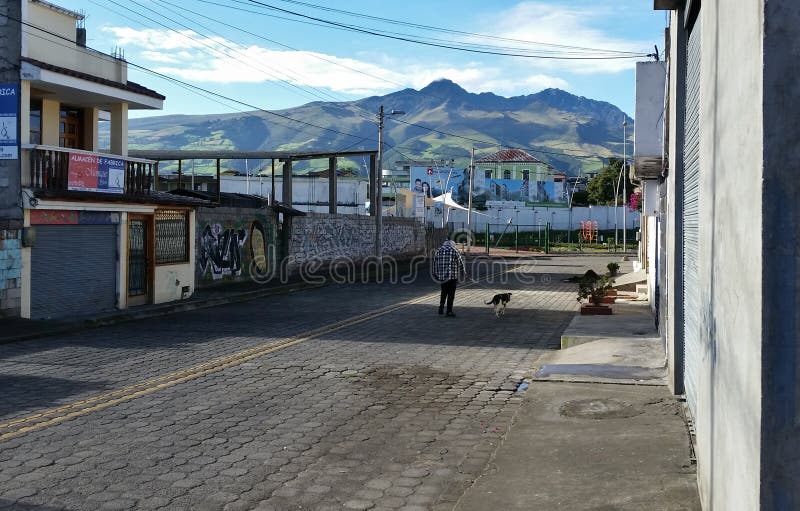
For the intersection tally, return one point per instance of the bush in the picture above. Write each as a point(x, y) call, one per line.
point(594, 287)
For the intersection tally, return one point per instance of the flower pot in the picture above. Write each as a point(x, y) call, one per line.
point(595, 310)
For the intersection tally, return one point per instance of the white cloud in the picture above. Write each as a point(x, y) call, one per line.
point(189, 56)
point(192, 57)
point(565, 26)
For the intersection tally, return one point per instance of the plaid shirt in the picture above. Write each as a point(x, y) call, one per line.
point(447, 264)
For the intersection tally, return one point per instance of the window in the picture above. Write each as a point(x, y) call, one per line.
point(172, 236)
point(36, 121)
point(506, 174)
point(69, 128)
point(526, 174)
point(488, 173)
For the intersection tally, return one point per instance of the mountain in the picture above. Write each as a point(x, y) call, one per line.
point(569, 132)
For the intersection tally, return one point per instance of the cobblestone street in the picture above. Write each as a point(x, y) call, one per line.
point(356, 396)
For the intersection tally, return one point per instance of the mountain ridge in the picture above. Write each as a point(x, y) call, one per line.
point(441, 121)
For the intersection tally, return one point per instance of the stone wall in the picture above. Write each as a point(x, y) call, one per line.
point(10, 268)
point(235, 244)
point(326, 238)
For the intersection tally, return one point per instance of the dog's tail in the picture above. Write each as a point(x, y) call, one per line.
point(490, 301)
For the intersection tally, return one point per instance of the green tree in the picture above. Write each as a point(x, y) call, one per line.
point(602, 187)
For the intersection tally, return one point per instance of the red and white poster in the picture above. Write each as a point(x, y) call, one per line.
point(92, 173)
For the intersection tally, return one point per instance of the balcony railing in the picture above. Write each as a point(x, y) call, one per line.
point(59, 169)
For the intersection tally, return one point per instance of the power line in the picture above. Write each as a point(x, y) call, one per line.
point(451, 31)
point(445, 46)
point(206, 44)
point(192, 86)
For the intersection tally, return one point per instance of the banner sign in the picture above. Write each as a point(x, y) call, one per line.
point(9, 113)
point(93, 173)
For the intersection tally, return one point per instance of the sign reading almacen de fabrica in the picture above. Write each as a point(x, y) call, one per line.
point(9, 113)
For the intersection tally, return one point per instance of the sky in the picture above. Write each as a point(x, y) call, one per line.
point(277, 54)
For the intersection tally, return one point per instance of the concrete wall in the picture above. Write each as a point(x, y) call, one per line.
point(233, 244)
point(731, 173)
point(329, 237)
point(560, 218)
point(351, 193)
point(10, 210)
point(172, 279)
point(10, 270)
point(780, 223)
point(47, 48)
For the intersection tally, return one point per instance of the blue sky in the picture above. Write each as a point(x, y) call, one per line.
point(269, 59)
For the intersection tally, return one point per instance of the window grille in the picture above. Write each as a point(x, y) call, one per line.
point(172, 236)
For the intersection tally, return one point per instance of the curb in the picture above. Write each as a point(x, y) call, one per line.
point(166, 309)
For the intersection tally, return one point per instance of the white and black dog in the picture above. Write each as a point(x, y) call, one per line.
point(500, 301)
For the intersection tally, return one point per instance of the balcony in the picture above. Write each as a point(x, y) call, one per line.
point(57, 171)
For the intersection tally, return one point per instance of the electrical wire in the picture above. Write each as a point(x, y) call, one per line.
point(209, 93)
point(451, 31)
point(445, 46)
point(191, 86)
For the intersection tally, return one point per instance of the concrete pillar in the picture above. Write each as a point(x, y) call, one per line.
point(780, 260)
point(91, 119)
point(286, 197)
point(50, 120)
point(119, 129)
point(332, 199)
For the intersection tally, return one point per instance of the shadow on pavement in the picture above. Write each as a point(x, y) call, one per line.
point(26, 392)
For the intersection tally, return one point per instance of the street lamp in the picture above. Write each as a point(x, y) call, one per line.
point(624, 187)
point(377, 192)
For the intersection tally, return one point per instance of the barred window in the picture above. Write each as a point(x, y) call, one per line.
point(172, 236)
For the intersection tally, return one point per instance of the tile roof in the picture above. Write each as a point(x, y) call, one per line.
point(509, 156)
point(128, 86)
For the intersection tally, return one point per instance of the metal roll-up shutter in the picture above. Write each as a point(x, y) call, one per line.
point(73, 270)
point(691, 219)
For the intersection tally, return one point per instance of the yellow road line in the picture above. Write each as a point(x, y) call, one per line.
point(106, 399)
point(100, 401)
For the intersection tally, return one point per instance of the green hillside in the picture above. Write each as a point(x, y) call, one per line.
point(571, 133)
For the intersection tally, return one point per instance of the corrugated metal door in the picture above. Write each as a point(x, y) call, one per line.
point(73, 270)
point(691, 216)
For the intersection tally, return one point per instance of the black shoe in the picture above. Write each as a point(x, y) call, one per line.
point(441, 310)
point(451, 314)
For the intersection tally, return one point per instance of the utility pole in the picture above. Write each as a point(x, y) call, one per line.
point(624, 187)
point(469, 200)
point(377, 192)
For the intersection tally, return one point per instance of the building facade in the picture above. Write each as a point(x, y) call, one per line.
point(729, 198)
point(91, 234)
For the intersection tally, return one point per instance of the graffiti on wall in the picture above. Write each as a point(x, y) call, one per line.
point(331, 239)
point(258, 248)
point(221, 250)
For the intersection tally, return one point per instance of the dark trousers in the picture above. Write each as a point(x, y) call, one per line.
point(448, 293)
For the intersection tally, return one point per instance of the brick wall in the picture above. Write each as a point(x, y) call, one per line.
point(10, 268)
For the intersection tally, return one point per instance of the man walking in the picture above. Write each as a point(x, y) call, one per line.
point(448, 266)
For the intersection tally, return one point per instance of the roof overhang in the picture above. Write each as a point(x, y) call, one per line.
point(77, 91)
point(668, 5)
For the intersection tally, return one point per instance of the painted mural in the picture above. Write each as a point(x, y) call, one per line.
point(433, 181)
point(234, 244)
point(220, 251)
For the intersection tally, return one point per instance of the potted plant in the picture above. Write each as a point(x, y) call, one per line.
point(594, 287)
point(613, 268)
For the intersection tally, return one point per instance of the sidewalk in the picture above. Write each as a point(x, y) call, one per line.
point(597, 430)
